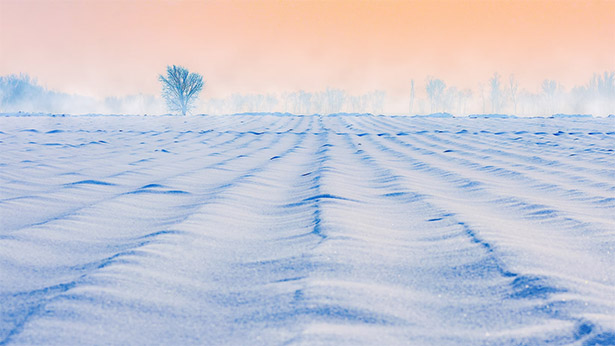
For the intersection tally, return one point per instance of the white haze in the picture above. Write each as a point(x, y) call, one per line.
point(499, 95)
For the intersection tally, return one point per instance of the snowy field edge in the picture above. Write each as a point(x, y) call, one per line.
point(432, 115)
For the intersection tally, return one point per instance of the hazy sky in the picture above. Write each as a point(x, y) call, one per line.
point(113, 48)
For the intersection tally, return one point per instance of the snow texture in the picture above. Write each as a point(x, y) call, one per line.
point(273, 229)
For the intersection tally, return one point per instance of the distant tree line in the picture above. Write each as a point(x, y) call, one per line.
point(300, 102)
point(498, 96)
point(22, 93)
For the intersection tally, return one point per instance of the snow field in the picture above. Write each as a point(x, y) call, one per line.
point(307, 230)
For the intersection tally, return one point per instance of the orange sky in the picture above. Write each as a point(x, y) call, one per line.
point(114, 48)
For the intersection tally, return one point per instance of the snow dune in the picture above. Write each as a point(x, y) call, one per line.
point(307, 230)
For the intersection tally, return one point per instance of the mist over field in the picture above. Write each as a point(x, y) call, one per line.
point(497, 96)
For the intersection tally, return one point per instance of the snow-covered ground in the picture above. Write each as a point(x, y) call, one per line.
point(306, 230)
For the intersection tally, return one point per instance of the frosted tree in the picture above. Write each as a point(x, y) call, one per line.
point(513, 85)
point(411, 95)
point(481, 88)
point(601, 91)
point(271, 101)
point(496, 93)
point(355, 104)
point(549, 87)
point(435, 90)
point(19, 90)
point(335, 99)
point(376, 101)
point(305, 101)
point(464, 96)
point(180, 88)
point(604, 85)
point(451, 100)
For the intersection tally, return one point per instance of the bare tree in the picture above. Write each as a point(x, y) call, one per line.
point(481, 88)
point(435, 90)
point(411, 95)
point(335, 99)
point(305, 101)
point(450, 100)
point(180, 88)
point(496, 93)
point(514, 87)
point(549, 87)
point(601, 90)
point(376, 101)
point(464, 96)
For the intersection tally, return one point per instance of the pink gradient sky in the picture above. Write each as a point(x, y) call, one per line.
point(113, 48)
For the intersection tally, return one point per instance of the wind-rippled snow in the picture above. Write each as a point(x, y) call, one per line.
point(266, 229)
